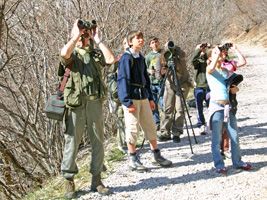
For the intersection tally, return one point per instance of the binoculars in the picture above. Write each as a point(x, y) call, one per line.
point(225, 47)
point(83, 24)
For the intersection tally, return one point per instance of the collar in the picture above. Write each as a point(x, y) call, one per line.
point(134, 54)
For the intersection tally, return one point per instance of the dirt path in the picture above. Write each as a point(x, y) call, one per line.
point(192, 176)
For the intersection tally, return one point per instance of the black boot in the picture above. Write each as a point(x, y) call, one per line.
point(98, 186)
point(160, 159)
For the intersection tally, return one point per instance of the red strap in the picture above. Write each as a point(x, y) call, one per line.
point(65, 78)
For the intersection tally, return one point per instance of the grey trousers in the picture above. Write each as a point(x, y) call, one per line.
point(87, 118)
point(120, 128)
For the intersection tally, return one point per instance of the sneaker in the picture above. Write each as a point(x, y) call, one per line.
point(203, 130)
point(222, 171)
point(135, 164)
point(164, 137)
point(69, 189)
point(161, 160)
point(176, 139)
point(227, 155)
point(246, 167)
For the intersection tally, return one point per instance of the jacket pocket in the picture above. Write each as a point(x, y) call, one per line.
point(72, 98)
point(72, 94)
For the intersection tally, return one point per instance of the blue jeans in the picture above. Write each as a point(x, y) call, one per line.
point(200, 96)
point(231, 127)
point(158, 101)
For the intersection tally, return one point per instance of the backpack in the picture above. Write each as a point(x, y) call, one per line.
point(112, 83)
point(112, 80)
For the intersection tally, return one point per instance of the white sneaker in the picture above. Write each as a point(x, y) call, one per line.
point(203, 130)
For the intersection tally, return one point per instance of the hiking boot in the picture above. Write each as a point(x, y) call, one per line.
point(164, 137)
point(69, 189)
point(135, 164)
point(98, 186)
point(176, 139)
point(160, 159)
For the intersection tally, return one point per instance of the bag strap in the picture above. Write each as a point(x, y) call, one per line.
point(65, 78)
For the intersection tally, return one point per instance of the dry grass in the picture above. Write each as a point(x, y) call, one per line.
point(53, 188)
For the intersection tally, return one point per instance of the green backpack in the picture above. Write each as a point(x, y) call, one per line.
point(112, 83)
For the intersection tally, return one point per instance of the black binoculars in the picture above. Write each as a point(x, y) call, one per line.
point(225, 47)
point(83, 24)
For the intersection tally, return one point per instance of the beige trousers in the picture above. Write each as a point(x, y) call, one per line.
point(143, 118)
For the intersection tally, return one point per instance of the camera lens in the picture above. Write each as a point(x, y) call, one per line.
point(170, 44)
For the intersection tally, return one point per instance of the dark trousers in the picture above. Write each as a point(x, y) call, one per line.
point(200, 96)
point(158, 101)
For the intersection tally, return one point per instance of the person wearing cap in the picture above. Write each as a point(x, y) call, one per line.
point(153, 68)
point(83, 96)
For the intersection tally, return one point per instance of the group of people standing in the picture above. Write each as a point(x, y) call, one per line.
point(139, 81)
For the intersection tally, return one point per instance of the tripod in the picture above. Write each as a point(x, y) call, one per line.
point(179, 92)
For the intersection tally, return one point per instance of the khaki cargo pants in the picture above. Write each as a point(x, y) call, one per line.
point(172, 119)
point(88, 119)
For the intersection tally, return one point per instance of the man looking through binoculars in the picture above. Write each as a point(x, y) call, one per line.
point(83, 96)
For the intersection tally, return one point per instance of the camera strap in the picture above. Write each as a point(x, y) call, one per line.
point(65, 78)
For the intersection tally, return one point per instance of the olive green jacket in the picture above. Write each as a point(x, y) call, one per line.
point(200, 64)
point(85, 78)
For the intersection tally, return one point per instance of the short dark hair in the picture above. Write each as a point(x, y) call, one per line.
point(152, 38)
point(132, 34)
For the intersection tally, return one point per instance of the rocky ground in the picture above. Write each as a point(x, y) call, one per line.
point(192, 176)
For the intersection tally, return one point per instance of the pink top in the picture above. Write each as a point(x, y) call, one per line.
point(229, 65)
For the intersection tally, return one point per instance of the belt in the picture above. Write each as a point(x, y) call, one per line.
point(137, 85)
point(222, 102)
point(92, 97)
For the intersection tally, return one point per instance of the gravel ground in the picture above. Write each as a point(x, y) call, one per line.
point(193, 176)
